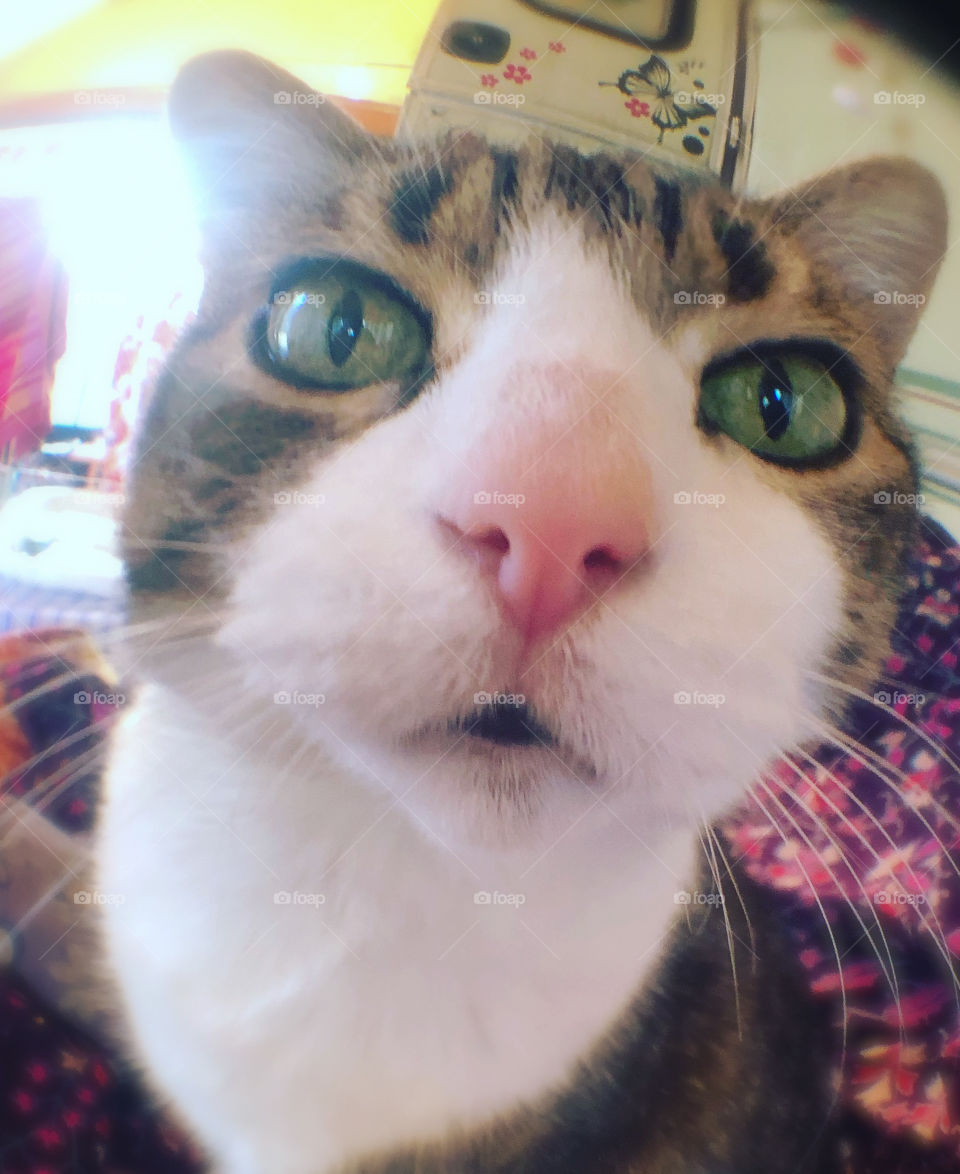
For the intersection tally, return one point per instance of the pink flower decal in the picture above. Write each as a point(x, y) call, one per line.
point(557, 47)
point(637, 108)
point(489, 79)
point(517, 73)
point(528, 53)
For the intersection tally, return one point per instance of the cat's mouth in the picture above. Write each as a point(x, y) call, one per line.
point(505, 724)
point(506, 728)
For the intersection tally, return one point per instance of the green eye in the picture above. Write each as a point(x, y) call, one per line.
point(337, 326)
point(784, 406)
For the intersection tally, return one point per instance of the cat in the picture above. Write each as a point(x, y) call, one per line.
point(503, 512)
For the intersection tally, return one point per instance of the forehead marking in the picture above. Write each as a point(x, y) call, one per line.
point(668, 213)
point(415, 199)
point(749, 269)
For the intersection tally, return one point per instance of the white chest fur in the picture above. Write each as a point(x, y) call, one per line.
point(310, 976)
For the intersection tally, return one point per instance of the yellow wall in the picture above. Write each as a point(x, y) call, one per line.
point(122, 43)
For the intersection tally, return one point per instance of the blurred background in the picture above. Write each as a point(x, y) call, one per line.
point(98, 246)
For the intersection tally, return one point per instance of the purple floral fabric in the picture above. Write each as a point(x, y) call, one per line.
point(861, 842)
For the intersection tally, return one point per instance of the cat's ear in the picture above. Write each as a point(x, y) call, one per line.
point(249, 129)
point(877, 229)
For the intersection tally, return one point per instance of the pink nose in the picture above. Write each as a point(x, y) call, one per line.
point(556, 543)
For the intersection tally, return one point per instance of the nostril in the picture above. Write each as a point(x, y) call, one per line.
point(601, 558)
point(492, 539)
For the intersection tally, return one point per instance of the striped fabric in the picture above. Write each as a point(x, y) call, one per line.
point(931, 407)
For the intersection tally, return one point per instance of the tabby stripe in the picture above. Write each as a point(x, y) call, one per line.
point(596, 184)
point(504, 187)
point(624, 200)
point(240, 438)
point(668, 213)
point(749, 270)
point(563, 177)
point(415, 199)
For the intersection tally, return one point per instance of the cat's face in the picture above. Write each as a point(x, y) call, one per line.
point(459, 421)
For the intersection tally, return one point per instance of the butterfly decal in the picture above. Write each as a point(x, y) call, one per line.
point(653, 79)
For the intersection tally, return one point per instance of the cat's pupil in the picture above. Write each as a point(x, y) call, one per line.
point(344, 327)
point(776, 400)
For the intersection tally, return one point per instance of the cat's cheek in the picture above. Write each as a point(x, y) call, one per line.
point(355, 622)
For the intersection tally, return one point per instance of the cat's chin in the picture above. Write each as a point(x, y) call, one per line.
point(470, 792)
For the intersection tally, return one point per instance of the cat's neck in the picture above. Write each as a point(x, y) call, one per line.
point(499, 970)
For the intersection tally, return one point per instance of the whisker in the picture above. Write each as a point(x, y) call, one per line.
point(879, 766)
point(718, 842)
point(826, 922)
point(46, 793)
point(888, 709)
point(729, 929)
point(941, 941)
point(890, 974)
point(895, 984)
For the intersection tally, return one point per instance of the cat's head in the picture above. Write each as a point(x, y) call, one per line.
point(589, 457)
